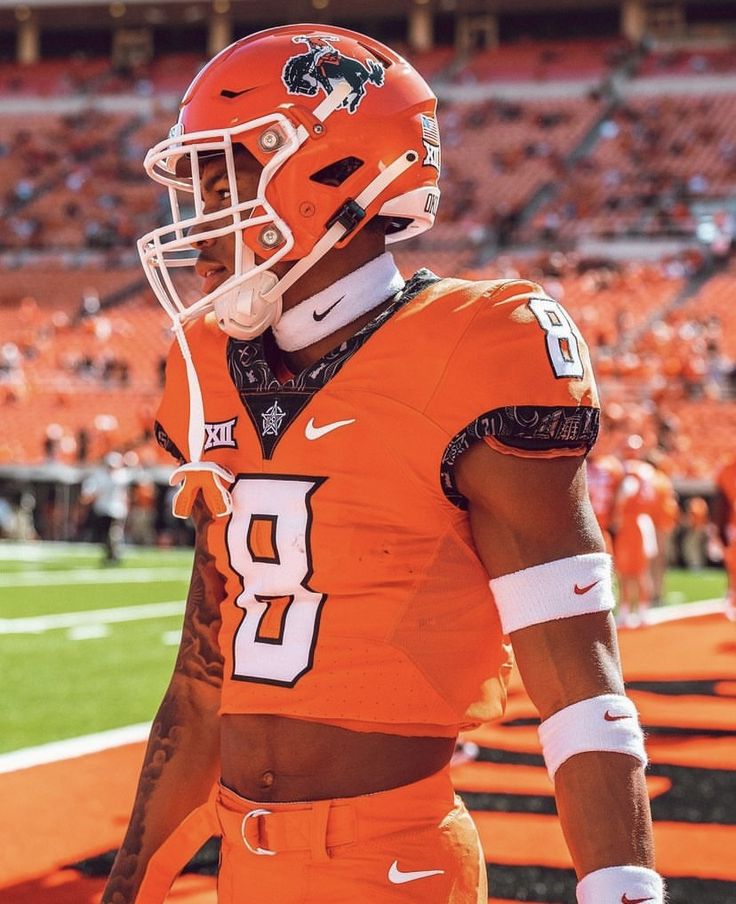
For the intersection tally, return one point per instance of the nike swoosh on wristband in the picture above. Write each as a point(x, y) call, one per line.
point(313, 432)
point(398, 877)
point(581, 590)
point(322, 314)
point(609, 718)
point(627, 900)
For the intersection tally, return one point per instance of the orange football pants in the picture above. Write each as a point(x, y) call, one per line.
point(415, 844)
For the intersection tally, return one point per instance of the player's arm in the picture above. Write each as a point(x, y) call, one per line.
point(527, 512)
point(171, 817)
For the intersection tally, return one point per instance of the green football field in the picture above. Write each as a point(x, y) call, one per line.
point(86, 648)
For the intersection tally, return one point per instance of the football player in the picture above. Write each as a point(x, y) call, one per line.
point(361, 454)
point(665, 515)
point(635, 542)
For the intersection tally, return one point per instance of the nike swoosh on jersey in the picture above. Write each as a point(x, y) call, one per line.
point(320, 315)
point(609, 718)
point(625, 900)
point(311, 431)
point(398, 877)
point(581, 590)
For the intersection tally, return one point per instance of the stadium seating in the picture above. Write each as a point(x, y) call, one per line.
point(654, 156)
point(76, 198)
point(543, 61)
point(50, 78)
point(498, 154)
point(688, 61)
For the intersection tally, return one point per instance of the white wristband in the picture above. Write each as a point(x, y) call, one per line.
point(576, 585)
point(621, 885)
point(608, 722)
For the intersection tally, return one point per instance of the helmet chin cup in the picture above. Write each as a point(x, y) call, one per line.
point(243, 312)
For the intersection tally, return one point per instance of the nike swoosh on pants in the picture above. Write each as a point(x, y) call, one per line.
point(399, 877)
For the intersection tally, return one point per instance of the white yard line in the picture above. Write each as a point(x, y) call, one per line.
point(93, 576)
point(44, 550)
point(73, 747)
point(12, 551)
point(37, 624)
point(685, 610)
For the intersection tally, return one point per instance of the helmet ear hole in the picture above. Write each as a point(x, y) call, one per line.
point(334, 174)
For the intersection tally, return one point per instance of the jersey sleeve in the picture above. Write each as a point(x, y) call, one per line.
point(519, 379)
point(170, 428)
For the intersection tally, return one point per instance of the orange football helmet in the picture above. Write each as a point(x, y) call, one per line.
point(344, 128)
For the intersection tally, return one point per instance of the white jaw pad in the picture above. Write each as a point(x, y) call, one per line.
point(576, 585)
point(608, 722)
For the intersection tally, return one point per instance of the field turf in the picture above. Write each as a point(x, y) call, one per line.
point(87, 647)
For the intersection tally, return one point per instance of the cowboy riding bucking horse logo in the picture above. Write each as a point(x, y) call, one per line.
point(322, 65)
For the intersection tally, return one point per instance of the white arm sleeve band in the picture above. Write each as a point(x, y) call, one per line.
point(615, 884)
point(576, 585)
point(609, 722)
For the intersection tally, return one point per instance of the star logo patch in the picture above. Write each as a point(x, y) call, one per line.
point(271, 419)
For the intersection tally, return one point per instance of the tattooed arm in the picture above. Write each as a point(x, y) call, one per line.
point(181, 763)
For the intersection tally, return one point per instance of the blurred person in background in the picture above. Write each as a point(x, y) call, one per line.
point(695, 534)
point(665, 514)
point(106, 493)
point(141, 523)
point(16, 517)
point(635, 537)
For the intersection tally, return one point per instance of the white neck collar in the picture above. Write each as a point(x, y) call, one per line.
point(339, 304)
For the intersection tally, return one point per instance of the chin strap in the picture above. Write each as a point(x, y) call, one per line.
point(339, 304)
point(204, 478)
point(198, 478)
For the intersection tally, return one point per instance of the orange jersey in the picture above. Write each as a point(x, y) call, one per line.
point(635, 543)
point(354, 592)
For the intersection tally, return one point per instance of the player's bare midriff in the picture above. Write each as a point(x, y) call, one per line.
point(275, 758)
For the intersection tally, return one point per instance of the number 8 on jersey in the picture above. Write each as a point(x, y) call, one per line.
point(268, 540)
point(562, 343)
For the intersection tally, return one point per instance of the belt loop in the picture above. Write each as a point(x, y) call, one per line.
point(318, 830)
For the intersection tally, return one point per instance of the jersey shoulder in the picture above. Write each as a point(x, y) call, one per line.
point(518, 374)
point(466, 297)
point(505, 315)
